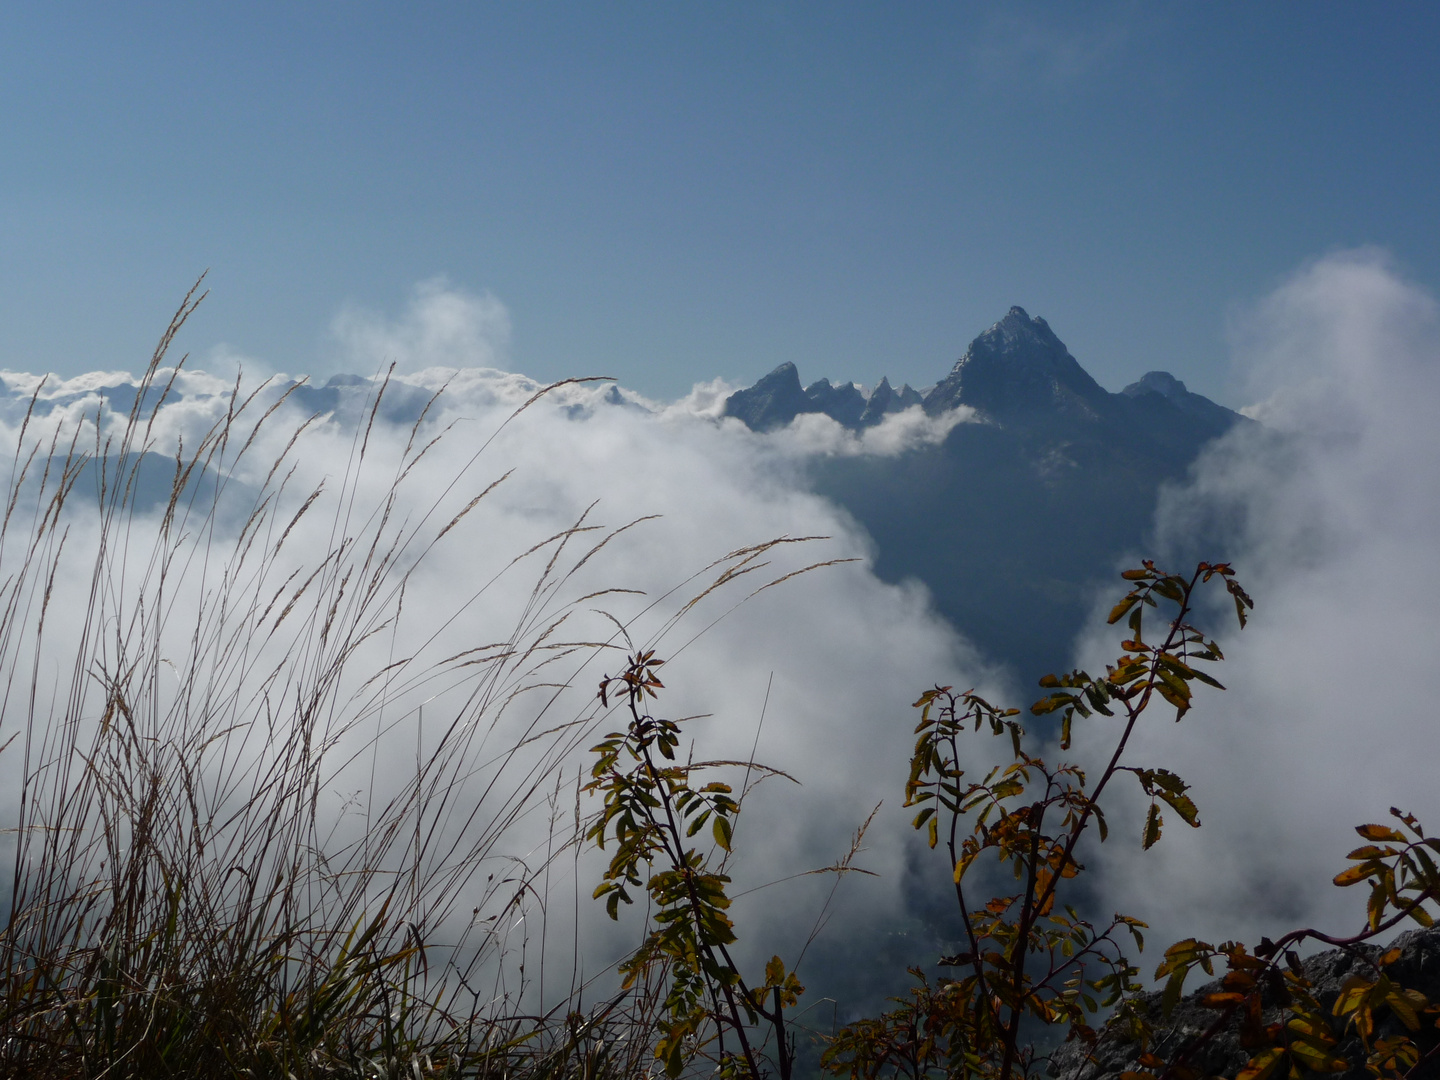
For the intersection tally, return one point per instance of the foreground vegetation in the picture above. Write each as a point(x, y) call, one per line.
point(181, 902)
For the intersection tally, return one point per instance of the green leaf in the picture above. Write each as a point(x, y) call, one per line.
point(1183, 806)
point(1007, 788)
point(1370, 851)
point(722, 831)
point(1171, 997)
point(1206, 679)
point(1404, 1009)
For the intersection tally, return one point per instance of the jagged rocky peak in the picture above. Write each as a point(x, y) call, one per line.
point(844, 404)
point(1017, 368)
point(772, 402)
point(1161, 385)
point(778, 398)
point(885, 399)
point(1017, 374)
point(1157, 382)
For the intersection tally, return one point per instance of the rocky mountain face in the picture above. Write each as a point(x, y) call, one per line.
point(1017, 373)
point(1014, 518)
point(1418, 968)
point(777, 399)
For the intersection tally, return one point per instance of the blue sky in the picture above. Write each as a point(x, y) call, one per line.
point(669, 193)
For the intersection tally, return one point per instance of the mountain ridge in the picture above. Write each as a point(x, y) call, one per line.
point(1015, 520)
point(1016, 373)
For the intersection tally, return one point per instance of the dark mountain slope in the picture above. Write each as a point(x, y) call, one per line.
point(1012, 520)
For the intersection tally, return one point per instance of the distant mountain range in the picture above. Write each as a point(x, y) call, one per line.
point(1017, 373)
point(1020, 514)
point(1013, 521)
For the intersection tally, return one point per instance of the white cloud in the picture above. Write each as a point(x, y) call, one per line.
point(841, 653)
point(440, 327)
point(1330, 515)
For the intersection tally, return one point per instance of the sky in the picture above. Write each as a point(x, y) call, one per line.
point(674, 193)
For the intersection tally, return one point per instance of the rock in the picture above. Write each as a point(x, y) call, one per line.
point(772, 402)
point(1023, 512)
point(843, 404)
point(1016, 370)
point(884, 400)
point(1017, 374)
point(1170, 390)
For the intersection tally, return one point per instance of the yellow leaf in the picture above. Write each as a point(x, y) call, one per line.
point(1353, 874)
point(1370, 851)
point(1317, 1060)
point(1262, 1065)
point(1352, 995)
point(1152, 827)
point(1404, 1010)
point(1380, 832)
point(1119, 610)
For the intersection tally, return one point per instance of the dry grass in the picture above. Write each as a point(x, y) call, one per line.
point(181, 901)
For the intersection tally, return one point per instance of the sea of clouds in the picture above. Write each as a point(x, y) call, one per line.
point(813, 676)
point(1329, 509)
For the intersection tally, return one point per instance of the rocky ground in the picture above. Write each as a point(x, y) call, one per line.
point(1418, 968)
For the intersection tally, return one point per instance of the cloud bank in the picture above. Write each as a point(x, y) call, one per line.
point(813, 675)
point(1330, 513)
point(1329, 510)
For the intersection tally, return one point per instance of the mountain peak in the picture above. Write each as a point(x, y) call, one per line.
point(1157, 382)
point(1017, 373)
point(1015, 368)
point(772, 402)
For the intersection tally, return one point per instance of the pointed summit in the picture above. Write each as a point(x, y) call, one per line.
point(1017, 374)
point(772, 402)
point(844, 404)
point(885, 399)
point(1015, 369)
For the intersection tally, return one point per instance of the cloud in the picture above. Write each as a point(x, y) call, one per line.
point(440, 327)
point(1330, 513)
point(1329, 510)
point(817, 435)
point(829, 660)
